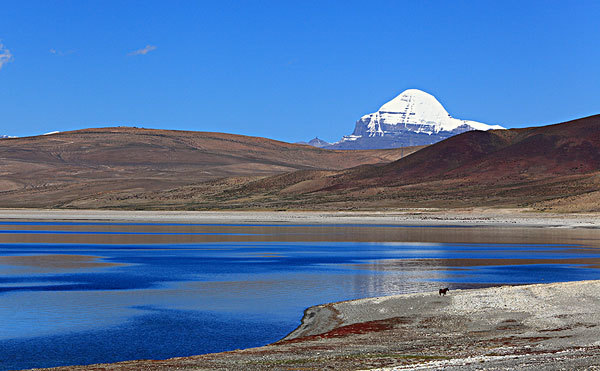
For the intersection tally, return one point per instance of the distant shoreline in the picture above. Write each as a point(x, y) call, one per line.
point(418, 217)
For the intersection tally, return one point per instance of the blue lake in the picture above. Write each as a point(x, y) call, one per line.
point(81, 303)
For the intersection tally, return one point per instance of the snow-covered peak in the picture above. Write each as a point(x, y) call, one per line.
point(419, 112)
point(416, 100)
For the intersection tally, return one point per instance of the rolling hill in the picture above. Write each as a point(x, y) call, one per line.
point(58, 169)
point(554, 167)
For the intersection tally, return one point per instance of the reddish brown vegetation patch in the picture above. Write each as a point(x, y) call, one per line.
point(356, 328)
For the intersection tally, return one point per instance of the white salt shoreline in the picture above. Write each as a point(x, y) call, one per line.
point(416, 217)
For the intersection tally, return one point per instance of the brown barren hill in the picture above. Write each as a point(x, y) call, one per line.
point(513, 167)
point(570, 148)
point(56, 170)
point(539, 167)
point(555, 167)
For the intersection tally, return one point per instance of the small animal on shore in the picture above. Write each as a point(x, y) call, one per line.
point(444, 291)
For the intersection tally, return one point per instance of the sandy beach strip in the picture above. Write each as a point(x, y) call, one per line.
point(52, 263)
point(450, 217)
point(189, 227)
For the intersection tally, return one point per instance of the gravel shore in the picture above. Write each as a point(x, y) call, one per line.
point(452, 217)
point(550, 326)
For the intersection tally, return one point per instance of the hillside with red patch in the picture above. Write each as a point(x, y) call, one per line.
point(539, 167)
point(554, 167)
point(570, 148)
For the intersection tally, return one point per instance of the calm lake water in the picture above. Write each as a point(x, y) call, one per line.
point(81, 293)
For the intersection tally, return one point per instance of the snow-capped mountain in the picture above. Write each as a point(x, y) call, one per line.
point(412, 118)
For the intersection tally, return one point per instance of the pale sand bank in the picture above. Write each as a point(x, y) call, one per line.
point(551, 326)
point(55, 262)
point(452, 217)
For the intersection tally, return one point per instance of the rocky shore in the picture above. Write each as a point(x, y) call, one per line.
point(549, 326)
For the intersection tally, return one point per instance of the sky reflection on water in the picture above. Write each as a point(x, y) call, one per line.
point(207, 297)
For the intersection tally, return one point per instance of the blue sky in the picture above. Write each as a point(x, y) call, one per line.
point(291, 70)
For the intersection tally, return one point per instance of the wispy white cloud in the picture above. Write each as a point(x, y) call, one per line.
point(5, 55)
point(143, 51)
point(60, 52)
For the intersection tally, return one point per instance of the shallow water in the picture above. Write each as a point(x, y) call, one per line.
point(133, 295)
